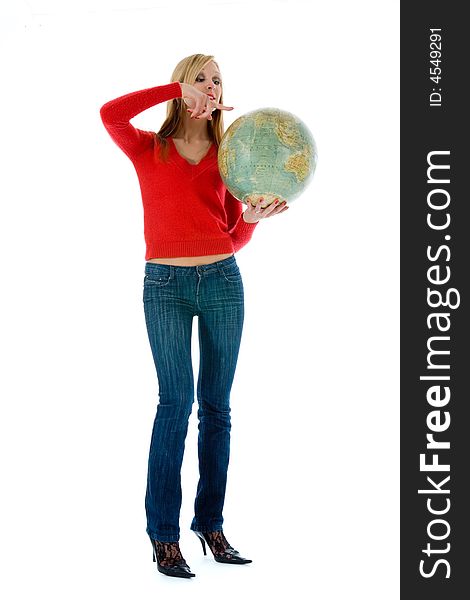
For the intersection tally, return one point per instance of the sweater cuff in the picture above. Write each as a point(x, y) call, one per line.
point(180, 88)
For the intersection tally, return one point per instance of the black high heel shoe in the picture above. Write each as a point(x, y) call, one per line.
point(164, 552)
point(220, 548)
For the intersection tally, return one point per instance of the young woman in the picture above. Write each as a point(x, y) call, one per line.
point(192, 228)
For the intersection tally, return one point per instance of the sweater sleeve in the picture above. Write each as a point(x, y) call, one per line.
point(239, 230)
point(116, 114)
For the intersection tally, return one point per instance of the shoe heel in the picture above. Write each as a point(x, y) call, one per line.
point(203, 546)
point(154, 544)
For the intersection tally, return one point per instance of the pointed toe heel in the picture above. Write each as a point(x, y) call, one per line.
point(221, 549)
point(179, 568)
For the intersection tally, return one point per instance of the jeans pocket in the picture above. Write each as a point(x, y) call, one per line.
point(232, 273)
point(157, 279)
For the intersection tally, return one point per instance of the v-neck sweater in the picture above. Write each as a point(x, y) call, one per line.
point(188, 211)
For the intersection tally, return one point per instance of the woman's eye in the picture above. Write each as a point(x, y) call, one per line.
point(200, 79)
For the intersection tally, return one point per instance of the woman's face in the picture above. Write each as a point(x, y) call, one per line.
point(209, 81)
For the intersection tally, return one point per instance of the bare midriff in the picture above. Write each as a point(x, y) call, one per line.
point(190, 261)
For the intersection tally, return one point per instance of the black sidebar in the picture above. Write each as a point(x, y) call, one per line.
point(434, 301)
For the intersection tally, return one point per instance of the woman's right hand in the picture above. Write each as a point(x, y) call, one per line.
point(200, 105)
point(255, 213)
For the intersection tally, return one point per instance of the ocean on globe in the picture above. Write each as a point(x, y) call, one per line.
point(267, 153)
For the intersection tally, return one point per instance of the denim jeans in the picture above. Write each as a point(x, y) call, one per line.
point(172, 296)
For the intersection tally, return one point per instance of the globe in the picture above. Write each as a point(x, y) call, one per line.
point(267, 153)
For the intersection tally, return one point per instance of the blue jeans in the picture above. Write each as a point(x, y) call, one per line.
point(172, 296)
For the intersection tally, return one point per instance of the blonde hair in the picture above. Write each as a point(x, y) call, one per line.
point(186, 71)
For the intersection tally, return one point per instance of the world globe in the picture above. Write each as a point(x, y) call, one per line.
point(267, 153)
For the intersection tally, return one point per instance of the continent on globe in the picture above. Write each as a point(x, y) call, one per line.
point(267, 153)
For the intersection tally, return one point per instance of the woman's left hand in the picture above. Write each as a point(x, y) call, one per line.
point(254, 213)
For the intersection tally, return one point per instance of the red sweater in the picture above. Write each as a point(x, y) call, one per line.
point(187, 209)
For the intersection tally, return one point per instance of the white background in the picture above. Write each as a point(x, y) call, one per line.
point(313, 484)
